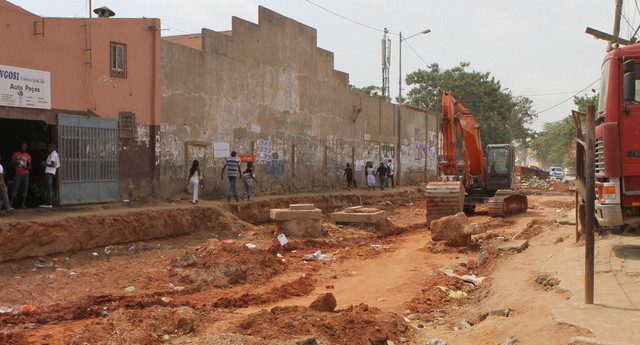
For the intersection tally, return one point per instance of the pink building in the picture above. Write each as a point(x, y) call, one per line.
point(90, 85)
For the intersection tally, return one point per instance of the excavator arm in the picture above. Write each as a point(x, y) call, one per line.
point(466, 126)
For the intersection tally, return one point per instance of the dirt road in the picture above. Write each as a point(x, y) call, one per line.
point(201, 289)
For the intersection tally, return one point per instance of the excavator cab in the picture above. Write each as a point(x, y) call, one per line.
point(500, 166)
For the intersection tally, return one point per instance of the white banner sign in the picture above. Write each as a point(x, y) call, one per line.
point(26, 88)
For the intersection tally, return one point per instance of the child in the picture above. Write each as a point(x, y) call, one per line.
point(371, 178)
point(194, 179)
point(348, 174)
point(249, 180)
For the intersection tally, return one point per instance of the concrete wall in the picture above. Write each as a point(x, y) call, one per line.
point(267, 89)
point(76, 52)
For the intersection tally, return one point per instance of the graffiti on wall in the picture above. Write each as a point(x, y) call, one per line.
point(387, 152)
point(275, 166)
point(432, 158)
point(419, 150)
point(264, 150)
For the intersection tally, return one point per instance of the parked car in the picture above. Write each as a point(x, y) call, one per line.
point(569, 175)
point(556, 173)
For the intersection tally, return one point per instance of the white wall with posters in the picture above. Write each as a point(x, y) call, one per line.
point(25, 88)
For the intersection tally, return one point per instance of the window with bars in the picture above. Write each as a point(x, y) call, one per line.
point(118, 60)
point(127, 124)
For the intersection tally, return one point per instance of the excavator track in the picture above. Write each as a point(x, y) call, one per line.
point(507, 202)
point(444, 199)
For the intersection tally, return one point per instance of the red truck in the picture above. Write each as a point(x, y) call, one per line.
point(617, 167)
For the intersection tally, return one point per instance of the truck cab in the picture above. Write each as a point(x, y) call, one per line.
point(617, 170)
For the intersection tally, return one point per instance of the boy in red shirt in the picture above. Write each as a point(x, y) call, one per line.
point(22, 162)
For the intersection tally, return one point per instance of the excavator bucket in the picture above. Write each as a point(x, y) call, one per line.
point(444, 199)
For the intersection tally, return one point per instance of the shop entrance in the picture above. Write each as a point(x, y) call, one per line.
point(37, 135)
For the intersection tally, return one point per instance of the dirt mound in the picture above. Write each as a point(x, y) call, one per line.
point(299, 287)
point(559, 204)
point(534, 228)
point(359, 324)
point(216, 264)
point(147, 326)
point(561, 187)
point(435, 294)
point(13, 339)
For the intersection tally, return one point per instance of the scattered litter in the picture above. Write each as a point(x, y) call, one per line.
point(294, 251)
point(511, 341)
point(319, 256)
point(104, 313)
point(409, 204)
point(6, 310)
point(376, 246)
point(279, 255)
point(228, 241)
point(125, 200)
point(565, 222)
point(457, 294)
point(95, 254)
point(462, 325)
point(469, 278)
point(130, 288)
point(132, 247)
point(406, 320)
point(27, 308)
point(108, 249)
point(178, 288)
point(436, 341)
point(166, 299)
point(251, 246)
point(44, 264)
point(558, 210)
point(282, 239)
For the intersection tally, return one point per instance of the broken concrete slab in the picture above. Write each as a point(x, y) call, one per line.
point(301, 227)
point(515, 245)
point(302, 207)
point(592, 341)
point(469, 278)
point(288, 214)
point(358, 216)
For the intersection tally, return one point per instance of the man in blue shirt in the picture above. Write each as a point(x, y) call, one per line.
point(232, 165)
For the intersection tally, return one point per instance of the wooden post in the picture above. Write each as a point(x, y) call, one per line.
point(589, 205)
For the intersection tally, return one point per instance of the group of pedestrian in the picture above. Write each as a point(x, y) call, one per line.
point(22, 165)
point(233, 168)
point(384, 174)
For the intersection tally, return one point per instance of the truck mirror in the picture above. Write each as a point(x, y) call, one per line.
point(629, 81)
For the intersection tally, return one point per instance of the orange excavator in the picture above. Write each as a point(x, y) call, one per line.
point(483, 177)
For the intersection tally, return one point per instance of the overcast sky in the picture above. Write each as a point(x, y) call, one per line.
point(533, 47)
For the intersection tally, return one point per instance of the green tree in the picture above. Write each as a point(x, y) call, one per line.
point(371, 91)
point(503, 117)
point(552, 144)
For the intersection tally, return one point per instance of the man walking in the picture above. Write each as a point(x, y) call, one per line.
point(391, 168)
point(382, 174)
point(51, 167)
point(232, 165)
point(348, 174)
point(21, 161)
point(4, 197)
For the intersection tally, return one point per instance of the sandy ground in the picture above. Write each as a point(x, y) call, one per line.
point(201, 289)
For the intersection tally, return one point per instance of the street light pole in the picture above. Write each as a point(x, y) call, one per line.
point(400, 102)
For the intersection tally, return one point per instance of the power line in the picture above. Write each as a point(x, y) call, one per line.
point(173, 28)
point(549, 94)
point(418, 55)
point(86, 3)
point(345, 18)
point(567, 99)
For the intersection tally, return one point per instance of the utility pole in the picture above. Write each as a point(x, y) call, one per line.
point(398, 149)
point(589, 205)
point(616, 26)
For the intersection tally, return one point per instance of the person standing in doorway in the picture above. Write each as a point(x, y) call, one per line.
point(348, 174)
point(51, 166)
point(195, 177)
point(382, 174)
point(371, 178)
point(390, 168)
point(21, 161)
point(232, 165)
point(4, 196)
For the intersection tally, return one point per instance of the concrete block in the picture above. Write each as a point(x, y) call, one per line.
point(301, 227)
point(516, 245)
point(592, 341)
point(302, 207)
point(352, 217)
point(287, 214)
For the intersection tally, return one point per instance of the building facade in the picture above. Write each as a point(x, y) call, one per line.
point(99, 100)
point(267, 90)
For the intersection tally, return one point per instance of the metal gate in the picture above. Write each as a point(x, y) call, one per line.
point(88, 149)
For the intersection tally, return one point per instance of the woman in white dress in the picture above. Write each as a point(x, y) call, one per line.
point(195, 177)
point(371, 178)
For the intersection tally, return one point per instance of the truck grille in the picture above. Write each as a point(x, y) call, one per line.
point(599, 157)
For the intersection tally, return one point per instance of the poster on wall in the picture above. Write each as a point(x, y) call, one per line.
point(432, 159)
point(221, 150)
point(25, 88)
